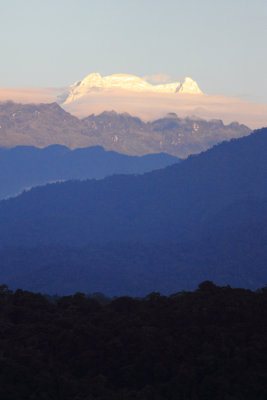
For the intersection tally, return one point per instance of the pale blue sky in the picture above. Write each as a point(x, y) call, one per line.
point(220, 44)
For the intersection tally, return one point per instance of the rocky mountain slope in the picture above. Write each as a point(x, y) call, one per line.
point(46, 124)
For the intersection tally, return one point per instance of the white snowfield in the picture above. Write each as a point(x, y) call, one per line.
point(133, 83)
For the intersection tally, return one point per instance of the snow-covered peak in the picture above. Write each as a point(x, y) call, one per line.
point(189, 86)
point(95, 81)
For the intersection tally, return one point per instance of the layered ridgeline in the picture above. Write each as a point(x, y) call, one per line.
point(206, 216)
point(164, 205)
point(47, 124)
point(24, 167)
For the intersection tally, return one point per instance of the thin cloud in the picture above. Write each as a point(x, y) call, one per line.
point(158, 78)
point(150, 106)
point(27, 95)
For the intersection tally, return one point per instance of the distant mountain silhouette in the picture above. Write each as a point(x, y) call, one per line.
point(24, 167)
point(46, 124)
point(170, 205)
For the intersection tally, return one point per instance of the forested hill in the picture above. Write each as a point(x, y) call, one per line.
point(207, 344)
point(166, 205)
point(23, 167)
point(234, 256)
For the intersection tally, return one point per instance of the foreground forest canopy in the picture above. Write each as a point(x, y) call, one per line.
point(206, 344)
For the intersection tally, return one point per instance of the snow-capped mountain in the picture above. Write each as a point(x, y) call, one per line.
point(133, 83)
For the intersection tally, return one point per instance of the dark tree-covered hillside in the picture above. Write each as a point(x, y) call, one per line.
point(230, 252)
point(206, 344)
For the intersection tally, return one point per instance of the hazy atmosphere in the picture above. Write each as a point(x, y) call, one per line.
point(133, 200)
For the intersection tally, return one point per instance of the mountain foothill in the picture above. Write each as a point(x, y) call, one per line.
point(166, 230)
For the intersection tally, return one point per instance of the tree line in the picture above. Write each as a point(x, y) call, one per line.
point(210, 343)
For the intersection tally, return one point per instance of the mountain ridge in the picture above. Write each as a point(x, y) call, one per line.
point(27, 166)
point(46, 124)
point(167, 230)
point(165, 205)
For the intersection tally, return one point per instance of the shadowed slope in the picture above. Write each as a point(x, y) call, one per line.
point(165, 205)
point(24, 167)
